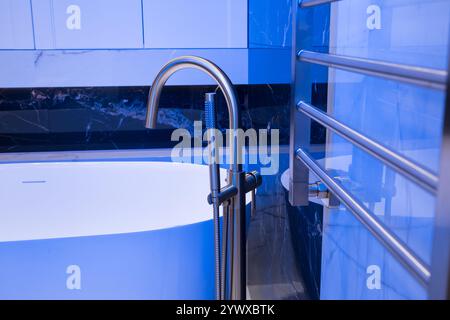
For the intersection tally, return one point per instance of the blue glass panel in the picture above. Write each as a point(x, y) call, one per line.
point(404, 117)
point(356, 266)
point(404, 31)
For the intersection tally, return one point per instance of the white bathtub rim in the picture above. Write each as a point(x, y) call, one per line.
point(10, 229)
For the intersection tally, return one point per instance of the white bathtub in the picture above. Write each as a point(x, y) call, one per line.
point(105, 230)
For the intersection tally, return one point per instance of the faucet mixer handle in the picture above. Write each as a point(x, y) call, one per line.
point(253, 180)
point(225, 194)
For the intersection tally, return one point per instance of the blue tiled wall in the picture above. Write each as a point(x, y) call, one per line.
point(16, 25)
point(62, 43)
point(195, 24)
point(87, 24)
point(124, 24)
point(83, 79)
point(270, 23)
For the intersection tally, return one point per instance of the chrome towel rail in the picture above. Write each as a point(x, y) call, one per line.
point(398, 249)
point(312, 3)
point(426, 77)
point(410, 169)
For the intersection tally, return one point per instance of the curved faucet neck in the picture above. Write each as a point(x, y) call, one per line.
point(208, 67)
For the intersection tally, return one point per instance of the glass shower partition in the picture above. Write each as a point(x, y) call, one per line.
point(367, 119)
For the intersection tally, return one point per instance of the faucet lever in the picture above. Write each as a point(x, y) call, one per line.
point(252, 181)
point(225, 194)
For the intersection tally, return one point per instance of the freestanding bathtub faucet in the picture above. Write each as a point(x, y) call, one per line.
point(232, 195)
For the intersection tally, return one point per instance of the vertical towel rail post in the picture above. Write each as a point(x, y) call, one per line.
point(439, 287)
point(300, 123)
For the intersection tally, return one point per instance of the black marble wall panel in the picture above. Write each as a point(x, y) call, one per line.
point(37, 119)
point(319, 100)
point(306, 225)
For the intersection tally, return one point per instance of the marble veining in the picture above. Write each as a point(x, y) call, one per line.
point(273, 269)
point(39, 119)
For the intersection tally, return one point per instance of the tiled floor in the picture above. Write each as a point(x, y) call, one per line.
point(272, 269)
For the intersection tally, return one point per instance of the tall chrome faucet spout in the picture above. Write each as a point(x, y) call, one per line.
point(231, 196)
point(208, 67)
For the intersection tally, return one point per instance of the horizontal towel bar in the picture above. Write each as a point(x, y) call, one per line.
point(426, 77)
point(312, 3)
point(390, 241)
point(410, 169)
